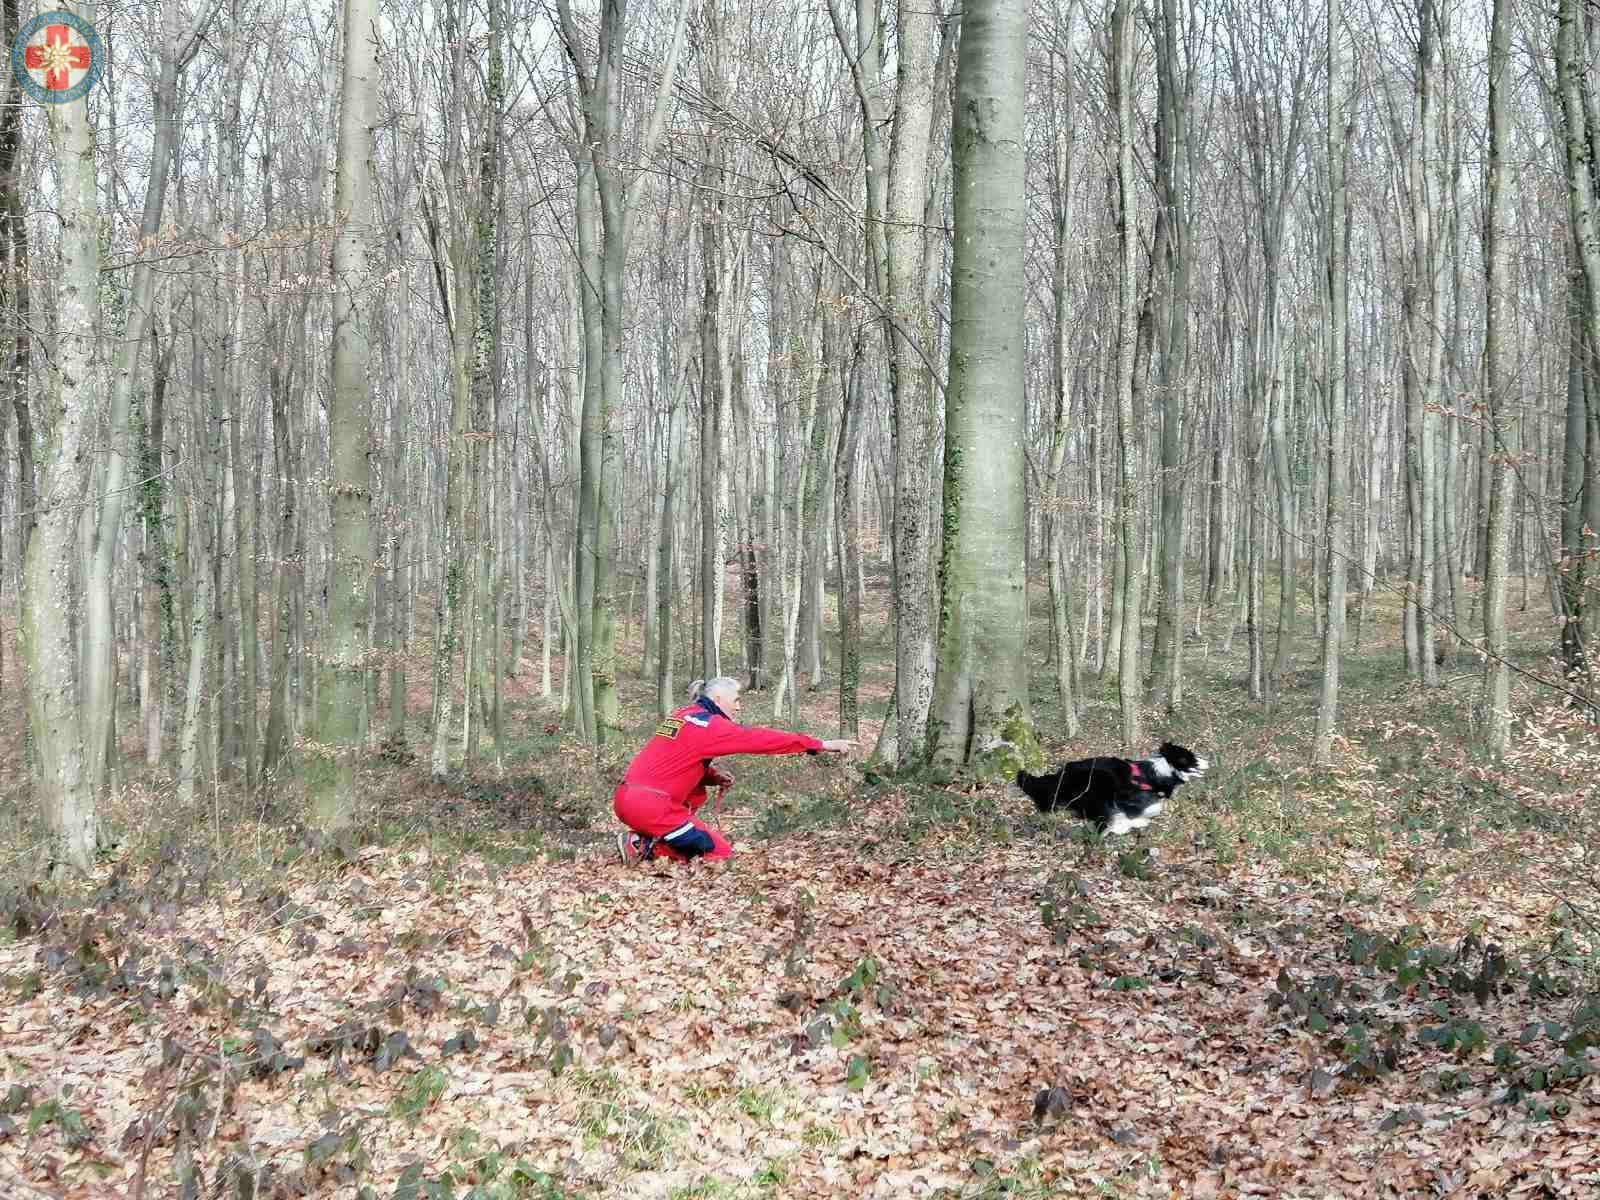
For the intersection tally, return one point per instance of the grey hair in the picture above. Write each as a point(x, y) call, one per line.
point(704, 687)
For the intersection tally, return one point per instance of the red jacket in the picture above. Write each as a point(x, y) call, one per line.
point(676, 758)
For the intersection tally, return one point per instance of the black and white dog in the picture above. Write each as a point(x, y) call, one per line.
point(1117, 794)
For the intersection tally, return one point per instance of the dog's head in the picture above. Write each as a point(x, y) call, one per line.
point(1183, 760)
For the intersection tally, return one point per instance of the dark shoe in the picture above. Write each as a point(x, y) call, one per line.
point(633, 849)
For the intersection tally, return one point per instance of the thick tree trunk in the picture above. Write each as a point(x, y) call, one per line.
point(342, 718)
point(62, 779)
point(980, 696)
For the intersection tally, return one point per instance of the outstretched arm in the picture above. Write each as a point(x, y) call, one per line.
point(727, 737)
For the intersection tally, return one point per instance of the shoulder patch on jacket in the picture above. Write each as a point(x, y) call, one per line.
point(702, 721)
point(669, 728)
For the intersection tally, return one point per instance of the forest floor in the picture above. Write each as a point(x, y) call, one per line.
point(1374, 980)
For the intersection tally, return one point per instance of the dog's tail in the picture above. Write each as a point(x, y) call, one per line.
point(1032, 785)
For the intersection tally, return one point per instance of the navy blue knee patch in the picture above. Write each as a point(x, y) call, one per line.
point(691, 842)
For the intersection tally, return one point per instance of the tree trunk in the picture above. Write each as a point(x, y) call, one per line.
point(667, 517)
point(1500, 385)
point(1063, 134)
point(62, 779)
point(780, 376)
point(845, 479)
point(1574, 79)
point(659, 463)
point(813, 525)
point(657, 460)
point(1424, 348)
point(711, 408)
point(1095, 621)
point(1172, 277)
point(15, 309)
point(195, 755)
point(909, 330)
point(1571, 567)
point(802, 508)
point(1339, 137)
point(483, 377)
point(399, 528)
point(342, 719)
point(556, 590)
point(457, 294)
point(1122, 55)
point(1254, 570)
point(980, 695)
point(243, 731)
point(155, 596)
point(1280, 397)
point(16, 288)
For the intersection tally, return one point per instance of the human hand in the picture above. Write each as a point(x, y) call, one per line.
point(838, 745)
point(717, 777)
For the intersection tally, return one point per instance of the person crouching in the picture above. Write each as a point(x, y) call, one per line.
point(666, 783)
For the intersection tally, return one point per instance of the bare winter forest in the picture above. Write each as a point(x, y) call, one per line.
point(403, 402)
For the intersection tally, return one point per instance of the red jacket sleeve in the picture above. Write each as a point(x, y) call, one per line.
point(723, 736)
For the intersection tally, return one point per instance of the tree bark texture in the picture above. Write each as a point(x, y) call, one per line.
point(342, 717)
point(980, 697)
point(1131, 485)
